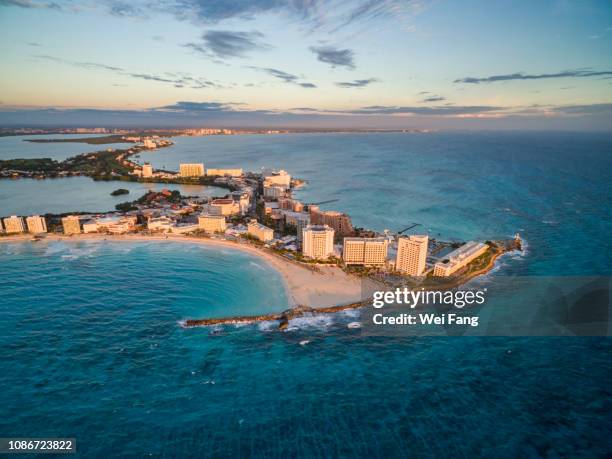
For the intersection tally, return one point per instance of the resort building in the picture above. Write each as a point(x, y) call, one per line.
point(290, 204)
point(273, 191)
point(36, 224)
point(224, 172)
point(365, 251)
point(340, 222)
point(278, 178)
point(261, 232)
point(14, 224)
point(149, 143)
point(318, 242)
point(222, 206)
point(159, 224)
point(71, 224)
point(212, 223)
point(1, 227)
point(460, 258)
point(411, 255)
point(147, 170)
point(184, 228)
point(191, 170)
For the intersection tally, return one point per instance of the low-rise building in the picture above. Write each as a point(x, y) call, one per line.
point(212, 223)
point(224, 172)
point(459, 258)
point(222, 206)
point(185, 228)
point(261, 232)
point(160, 224)
point(36, 224)
point(14, 224)
point(71, 224)
point(191, 170)
point(365, 251)
point(318, 242)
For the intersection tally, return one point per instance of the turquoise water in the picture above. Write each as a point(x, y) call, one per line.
point(90, 344)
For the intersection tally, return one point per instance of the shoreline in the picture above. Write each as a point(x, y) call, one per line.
point(320, 290)
point(323, 287)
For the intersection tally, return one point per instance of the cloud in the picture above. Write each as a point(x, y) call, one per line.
point(590, 109)
point(436, 110)
point(434, 99)
point(356, 83)
point(334, 56)
point(227, 44)
point(523, 76)
point(31, 4)
point(124, 9)
point(284, 76)
point(176, 80)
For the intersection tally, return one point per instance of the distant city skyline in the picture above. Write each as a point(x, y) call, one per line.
point(312, 64)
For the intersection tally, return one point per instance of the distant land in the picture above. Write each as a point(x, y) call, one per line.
point(113, 134)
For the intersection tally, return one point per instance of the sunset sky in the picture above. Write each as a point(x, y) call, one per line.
point(309, 63)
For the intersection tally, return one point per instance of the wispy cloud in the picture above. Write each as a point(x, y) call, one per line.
point(434, 111)
point(177, 80)
point(228, 44)
point(356, 83)
point(31, 4)
point(541, 76)
point(284, 76)
point(434, 99)
point(334, 56)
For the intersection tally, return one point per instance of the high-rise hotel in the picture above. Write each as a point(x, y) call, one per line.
point(411, 255)
point(36, 224)
point(364, 251)
point(318, 242)
point(71, 224)
point(14, 224)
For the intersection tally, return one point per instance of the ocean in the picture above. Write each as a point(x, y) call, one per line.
point(91, 346)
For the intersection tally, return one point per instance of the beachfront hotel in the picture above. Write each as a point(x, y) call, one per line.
point(318, 242)
point(261, 232)
point(411, 255)
point(212, 223)
point(147, 170)
point(224, 172)
point(71, 224)
point(340, 222)
point(36, 224)
point(281, 178)
point(191, 170)
point(459, 258)
point(14, 224)
point(365, 251)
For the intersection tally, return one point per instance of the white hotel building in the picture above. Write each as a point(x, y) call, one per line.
point(365, 251)
point(459, 258)
point(36, 224)
point(191, 170)
point(318, 242)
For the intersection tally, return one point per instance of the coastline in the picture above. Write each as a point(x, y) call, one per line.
point(323, 287)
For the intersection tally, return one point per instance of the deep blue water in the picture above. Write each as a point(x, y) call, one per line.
point(90, 346)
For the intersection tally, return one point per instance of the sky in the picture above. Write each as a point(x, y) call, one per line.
point(387, 64)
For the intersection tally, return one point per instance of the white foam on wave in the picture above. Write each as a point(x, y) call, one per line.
point(314, 321)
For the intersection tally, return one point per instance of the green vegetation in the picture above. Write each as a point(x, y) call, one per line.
point(119, 192)
point(31, 165)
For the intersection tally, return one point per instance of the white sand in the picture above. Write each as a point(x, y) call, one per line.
point(321, 287)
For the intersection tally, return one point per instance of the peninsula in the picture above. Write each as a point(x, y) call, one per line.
point(327, 264)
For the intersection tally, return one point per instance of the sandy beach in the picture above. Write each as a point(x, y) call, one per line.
point(324, 286)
